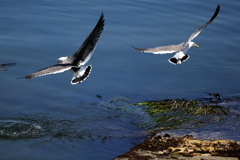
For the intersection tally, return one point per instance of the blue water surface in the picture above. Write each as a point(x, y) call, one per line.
point(83, 121)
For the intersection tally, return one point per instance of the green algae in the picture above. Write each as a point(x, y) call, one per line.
point(177, 112)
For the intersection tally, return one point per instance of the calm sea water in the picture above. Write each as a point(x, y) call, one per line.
point(83, 121)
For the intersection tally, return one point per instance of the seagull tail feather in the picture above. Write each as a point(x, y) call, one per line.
point(81, 75)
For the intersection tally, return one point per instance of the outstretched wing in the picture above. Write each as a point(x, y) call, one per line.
point(3, 67)
point(196, 33)
point(84, 53)
point(58, 68)
point(162, 49)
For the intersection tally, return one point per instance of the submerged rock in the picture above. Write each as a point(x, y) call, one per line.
point(170, 113)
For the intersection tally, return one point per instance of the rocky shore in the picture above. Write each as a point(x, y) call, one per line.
point(187, 147)
point(206, 114)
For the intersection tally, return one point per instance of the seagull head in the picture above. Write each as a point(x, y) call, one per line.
point(195, 45)
point(192, 44)
point(61, 60)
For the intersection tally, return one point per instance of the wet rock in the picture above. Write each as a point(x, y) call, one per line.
point(171, 113)
point(187, 147)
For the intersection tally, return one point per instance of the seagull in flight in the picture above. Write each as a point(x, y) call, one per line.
point(75, 62)
point(182, 48)
point(3, 67)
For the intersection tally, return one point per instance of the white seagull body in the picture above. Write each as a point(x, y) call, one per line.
point(181, 48)
point(75, 62)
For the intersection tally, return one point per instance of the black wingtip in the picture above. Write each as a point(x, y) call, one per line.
point(101, 19)
point(215, 14)
point(138, 49)
point(102, 15)
point(20, 77)
point(26, 77)
point(184, 58)
point(173, 60)
point(7, 64)
point(4, 67)
point(177, 61)
point(218, 8)
point(83, 77)
point(100, 25)
point(133, 47)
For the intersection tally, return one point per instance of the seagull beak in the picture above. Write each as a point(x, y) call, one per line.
point(196, 45)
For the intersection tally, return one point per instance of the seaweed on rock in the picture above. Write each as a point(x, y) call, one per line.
point(175, 112)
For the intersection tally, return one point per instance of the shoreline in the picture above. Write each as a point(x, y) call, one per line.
point(170, 114)
point(186, 147)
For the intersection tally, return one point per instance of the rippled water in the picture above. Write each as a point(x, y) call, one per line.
point(72, 121)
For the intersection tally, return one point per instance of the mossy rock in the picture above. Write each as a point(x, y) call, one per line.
point(175, 112)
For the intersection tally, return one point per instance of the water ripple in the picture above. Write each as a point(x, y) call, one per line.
point(19, 129)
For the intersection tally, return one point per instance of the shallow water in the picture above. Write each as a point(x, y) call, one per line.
point(73, 121)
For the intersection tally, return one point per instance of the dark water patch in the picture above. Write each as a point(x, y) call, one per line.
point(80, 131)
point(46, 126)
point(114, 118)
point(126, 110)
